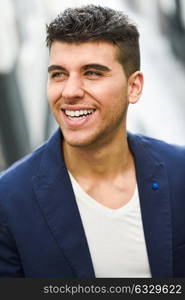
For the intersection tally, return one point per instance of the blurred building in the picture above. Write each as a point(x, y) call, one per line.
point(23, 75)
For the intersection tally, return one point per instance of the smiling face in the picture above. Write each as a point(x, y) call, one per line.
point(87, 92)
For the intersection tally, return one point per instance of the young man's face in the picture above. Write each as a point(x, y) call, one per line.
point(87, 91)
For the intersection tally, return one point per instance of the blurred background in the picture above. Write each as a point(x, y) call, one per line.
point(25, 118)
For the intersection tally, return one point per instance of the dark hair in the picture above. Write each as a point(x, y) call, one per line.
point(96, 23)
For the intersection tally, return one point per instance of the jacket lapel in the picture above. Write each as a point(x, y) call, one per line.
point(155, 206)
point(57, 202)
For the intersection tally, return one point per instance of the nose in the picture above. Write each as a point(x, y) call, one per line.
point(73, 88)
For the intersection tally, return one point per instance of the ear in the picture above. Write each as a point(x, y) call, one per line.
point(135, 86)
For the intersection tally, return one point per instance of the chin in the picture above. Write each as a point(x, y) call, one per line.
point(81, 144)
point(79, 141)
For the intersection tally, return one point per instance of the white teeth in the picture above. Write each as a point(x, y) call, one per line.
point(77, 113)
point(77, 118)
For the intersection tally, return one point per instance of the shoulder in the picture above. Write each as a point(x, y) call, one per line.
point(171, 154)
point(15, 184)
point(27, 167)
point(157, 145)
point(17, 181)
point(20, 173)
point(163, 148)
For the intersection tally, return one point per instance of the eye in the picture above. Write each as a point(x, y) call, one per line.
point(58, 75)
point(93, 74)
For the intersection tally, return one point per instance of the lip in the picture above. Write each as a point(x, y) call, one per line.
point(71, 124)
point(76, 107)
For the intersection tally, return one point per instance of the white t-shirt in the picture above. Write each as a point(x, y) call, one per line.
point(115, 236)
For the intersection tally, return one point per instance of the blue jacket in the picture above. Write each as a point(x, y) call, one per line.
point(41, 233)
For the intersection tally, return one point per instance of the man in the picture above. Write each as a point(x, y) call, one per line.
point(94, 201)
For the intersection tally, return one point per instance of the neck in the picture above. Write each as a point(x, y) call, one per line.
point(103, 161)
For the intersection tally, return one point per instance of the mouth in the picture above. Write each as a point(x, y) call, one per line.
point(76, 118)
point(78, 114)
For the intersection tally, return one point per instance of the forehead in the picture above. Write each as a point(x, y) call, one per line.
point(80, 54)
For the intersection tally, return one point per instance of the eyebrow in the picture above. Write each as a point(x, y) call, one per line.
point(55, 67)
point(98, 67)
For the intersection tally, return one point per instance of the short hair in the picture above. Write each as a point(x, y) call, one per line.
point(97, 23)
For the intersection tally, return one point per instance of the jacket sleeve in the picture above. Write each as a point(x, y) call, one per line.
point(10, 263)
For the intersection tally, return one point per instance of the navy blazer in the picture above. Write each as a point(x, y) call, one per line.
point(41, 232)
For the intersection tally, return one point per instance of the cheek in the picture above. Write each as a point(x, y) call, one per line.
point(101, 92)
point(118, 93)
point(53, 93)
point(110, 95)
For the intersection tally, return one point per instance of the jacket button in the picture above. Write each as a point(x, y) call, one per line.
point(155, 186)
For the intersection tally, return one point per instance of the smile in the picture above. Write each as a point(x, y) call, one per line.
point(78, 114)
point(78, 118)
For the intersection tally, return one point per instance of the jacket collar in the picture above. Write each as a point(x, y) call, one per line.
point(56, 198)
